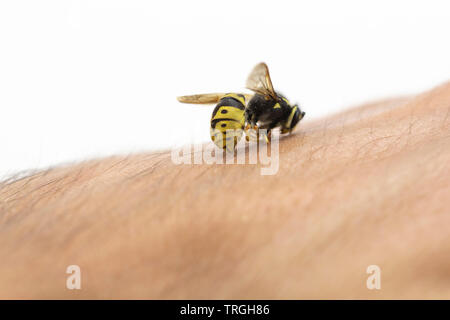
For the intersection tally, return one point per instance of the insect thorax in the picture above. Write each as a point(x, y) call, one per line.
point(267, 111)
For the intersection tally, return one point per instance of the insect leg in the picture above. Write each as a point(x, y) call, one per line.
point(247, 135)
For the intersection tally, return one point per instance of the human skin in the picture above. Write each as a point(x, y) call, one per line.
point(368, 186)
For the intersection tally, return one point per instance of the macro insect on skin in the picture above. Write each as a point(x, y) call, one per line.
point(266, 110)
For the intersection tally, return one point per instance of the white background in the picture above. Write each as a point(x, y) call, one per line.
point(81, 79)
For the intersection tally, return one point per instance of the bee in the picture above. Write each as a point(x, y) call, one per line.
point(266, 109)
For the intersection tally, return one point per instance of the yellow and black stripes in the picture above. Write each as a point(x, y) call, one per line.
point(228, 115)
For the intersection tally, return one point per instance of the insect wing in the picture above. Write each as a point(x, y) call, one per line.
point(206, 98)
point(259, 81)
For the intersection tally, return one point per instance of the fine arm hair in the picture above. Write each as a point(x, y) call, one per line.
point(369, 185)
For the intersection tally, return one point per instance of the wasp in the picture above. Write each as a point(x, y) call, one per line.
point(233, 115)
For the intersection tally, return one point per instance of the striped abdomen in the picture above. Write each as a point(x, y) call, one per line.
point(228, 115)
